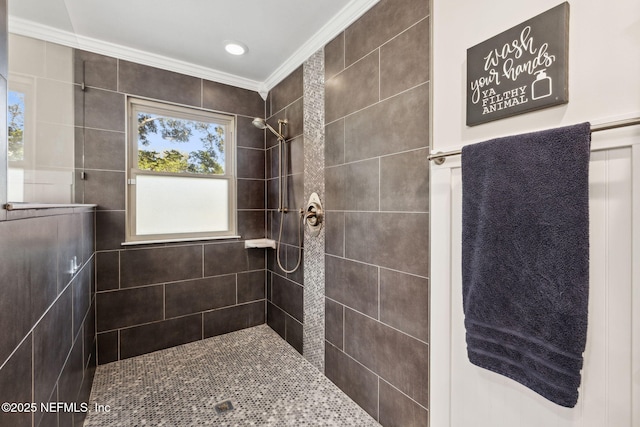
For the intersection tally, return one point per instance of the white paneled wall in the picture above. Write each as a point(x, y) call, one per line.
point(464, 395)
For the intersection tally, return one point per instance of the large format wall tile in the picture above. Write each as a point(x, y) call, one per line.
point(160, 335)
point(29, 271)
point(396, 409)
point(353, 284)
point(251, 224)
point(95, 70)
point(294, 333)
point(71, 380)
point(127, 307)
point(103, 149)
point(410, 172)
point(334, 227)
point(334, 56)
point(250, 163)
point(288, 296)
point(404, 303)
point(404, 63)
point(377, 219)
point(354, 186)
point(251, 286)
point(396, 357)
point(100, 109)
point(334, 143)
point(52, 339)
point(355, 88)
point(15, 385)
point(225, 258)
point(225, 320)
point(287, 91)
point(401, 120)
point(157, 265)
point(383, 22)
point(355, 380)
point(107, 270)
point(276, 319)
point(155, 83)
point(110, 230)
point(222, 97)
point(108, 348)
point(106, 189)
point(334, 320)
point(48, 311)
point(194, 296)
point(392, 240)
point(247, 134)
point(82, 295)
point(251, 194)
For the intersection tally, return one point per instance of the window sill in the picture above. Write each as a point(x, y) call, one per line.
point(192, 239)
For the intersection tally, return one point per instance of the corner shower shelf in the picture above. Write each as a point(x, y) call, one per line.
point(260, 243)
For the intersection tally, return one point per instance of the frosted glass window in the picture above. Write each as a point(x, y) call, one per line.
point(181, 182)
point(171, 204)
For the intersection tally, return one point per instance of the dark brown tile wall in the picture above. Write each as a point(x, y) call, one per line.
point(377, 193)
point(47, 312)
point(173, 292)
point(285, 290)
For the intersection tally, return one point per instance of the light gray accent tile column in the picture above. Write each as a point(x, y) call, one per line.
point(313, 333)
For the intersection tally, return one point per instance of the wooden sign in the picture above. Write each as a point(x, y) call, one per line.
point(522, 69)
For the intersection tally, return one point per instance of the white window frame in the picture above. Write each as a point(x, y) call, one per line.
point(135, 105)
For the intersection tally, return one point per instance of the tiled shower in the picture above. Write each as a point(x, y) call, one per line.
point(357, 308)
point(154, 297)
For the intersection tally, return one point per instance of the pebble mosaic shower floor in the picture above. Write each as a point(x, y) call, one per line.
point(265, 380)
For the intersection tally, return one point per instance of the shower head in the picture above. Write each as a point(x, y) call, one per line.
point(260, 123)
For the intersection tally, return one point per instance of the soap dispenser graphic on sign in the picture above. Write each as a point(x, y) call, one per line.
point(541, 87)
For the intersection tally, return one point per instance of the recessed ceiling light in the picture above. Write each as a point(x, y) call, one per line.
point(235, 48)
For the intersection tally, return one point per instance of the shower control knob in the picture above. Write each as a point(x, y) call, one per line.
point(314, 215)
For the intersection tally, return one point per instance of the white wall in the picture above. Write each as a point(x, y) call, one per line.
point(604, 85)
point(604, 64)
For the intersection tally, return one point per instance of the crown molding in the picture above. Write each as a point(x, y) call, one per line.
point(33, 29)
point(345, 17)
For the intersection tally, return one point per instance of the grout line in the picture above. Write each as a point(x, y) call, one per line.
point(374, 373)
point(376, 320)
point(226, 307)
point(379, 296)
point(119, 271)
point(379, 73)
point(376, 265)
point(378, 401)
point(379, 183)
point(344, 308)
point(376, 103)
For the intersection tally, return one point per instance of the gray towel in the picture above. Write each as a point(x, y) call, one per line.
point(525, 257)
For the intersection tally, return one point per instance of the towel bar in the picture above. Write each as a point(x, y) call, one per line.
point(440, 157)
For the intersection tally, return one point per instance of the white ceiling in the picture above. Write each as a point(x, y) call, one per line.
point(187, 35)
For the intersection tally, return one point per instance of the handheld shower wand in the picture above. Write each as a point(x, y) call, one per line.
point(261, 123)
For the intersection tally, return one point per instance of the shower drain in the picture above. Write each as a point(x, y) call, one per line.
point(223, 407)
